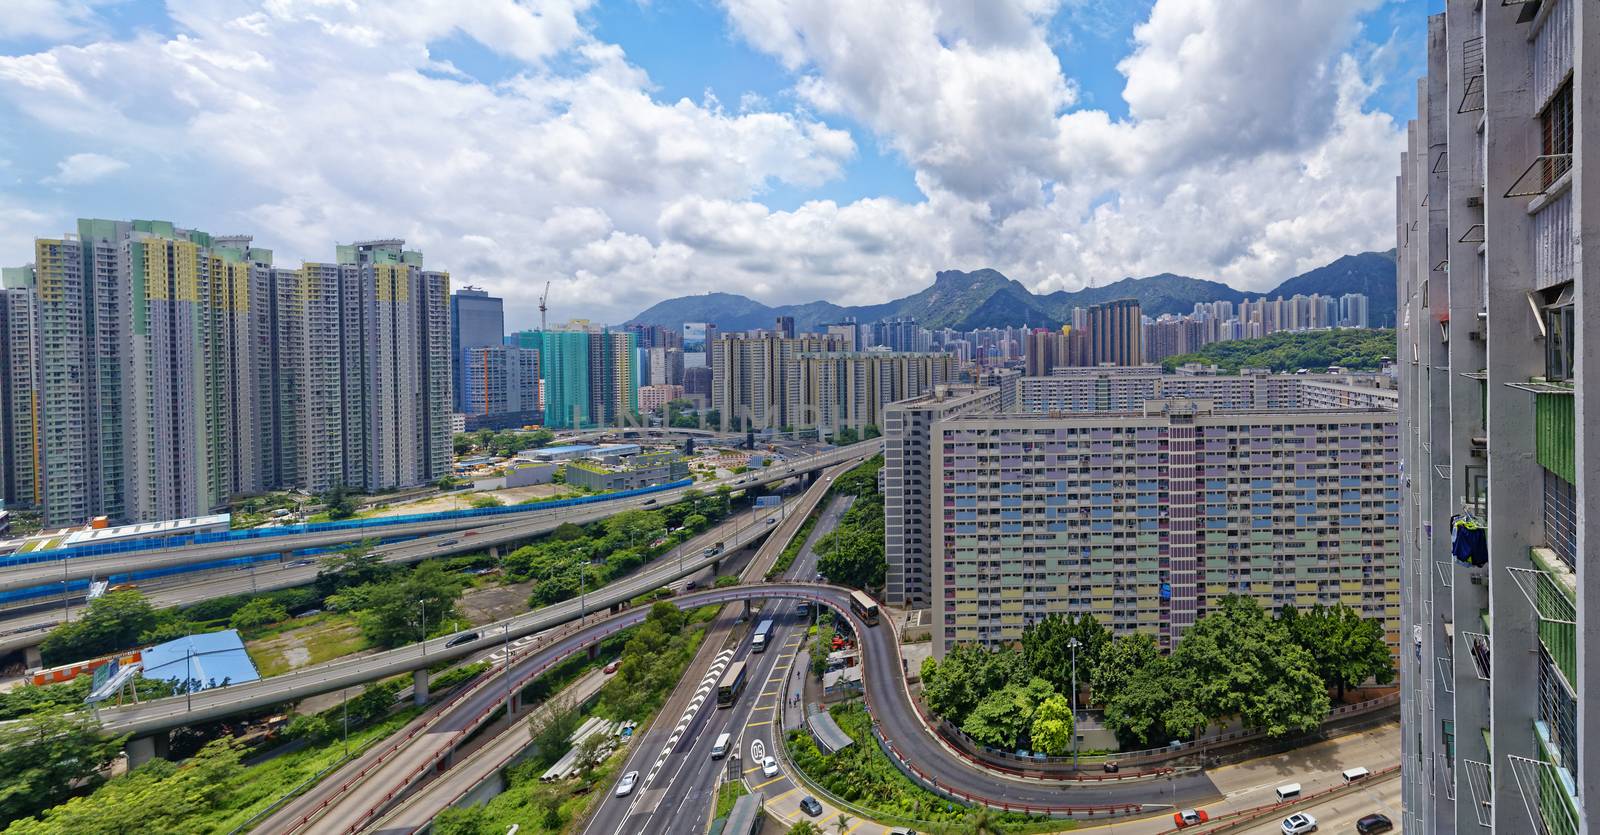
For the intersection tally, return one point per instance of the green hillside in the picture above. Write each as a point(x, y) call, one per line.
point(1352, 348)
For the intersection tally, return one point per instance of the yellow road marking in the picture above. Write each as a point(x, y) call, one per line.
point(754, 724)
point(768, 783)
point(763, 707)
point(769, 693)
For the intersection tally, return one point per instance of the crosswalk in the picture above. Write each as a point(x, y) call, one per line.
point(703, 692)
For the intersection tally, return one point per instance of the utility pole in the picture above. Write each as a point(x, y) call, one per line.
point(1073, 645)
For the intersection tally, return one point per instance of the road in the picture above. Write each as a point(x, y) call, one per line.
point(322, 678)
point(345, 800)
point(683, 793)
point(480, 532)
point(1339, 814)
point(28, 629)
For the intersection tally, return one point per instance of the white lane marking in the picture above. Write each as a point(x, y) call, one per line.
point(707, 685)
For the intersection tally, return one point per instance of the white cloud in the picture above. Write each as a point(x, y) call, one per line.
point(48, 19)
point(79, 169)
point(1249, 152)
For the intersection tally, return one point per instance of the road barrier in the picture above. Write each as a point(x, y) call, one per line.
point(1042, 767)
point(1248, 816)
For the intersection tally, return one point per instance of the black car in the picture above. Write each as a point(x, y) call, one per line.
point(458, 640)
point(1374, 823)
point(1109, 767)
point(810, 806)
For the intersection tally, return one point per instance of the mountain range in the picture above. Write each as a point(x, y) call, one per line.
point(986, 298)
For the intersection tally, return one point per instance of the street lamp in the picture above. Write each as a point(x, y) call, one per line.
point(1073, 645)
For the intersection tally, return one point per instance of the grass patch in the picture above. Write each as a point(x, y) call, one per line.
point(304, 642)
point(727, 794)
point(863, 775)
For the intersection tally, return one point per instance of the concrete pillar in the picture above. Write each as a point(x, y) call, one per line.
point(143, 749)
point(419, 687)
point(32, 658)
point(594, 651)
point(746, 615)
point(494, 552)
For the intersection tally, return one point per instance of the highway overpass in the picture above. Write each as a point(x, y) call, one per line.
point(24, 630)
point(346, 798)
point(55, 571)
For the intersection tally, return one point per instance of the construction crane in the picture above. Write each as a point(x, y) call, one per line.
point(543, 325)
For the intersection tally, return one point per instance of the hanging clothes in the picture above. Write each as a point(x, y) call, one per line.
point(1469, 541)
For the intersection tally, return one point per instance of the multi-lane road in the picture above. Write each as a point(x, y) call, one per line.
point(213, 704)
point(363, 788)
point(28, 628)
point(682, 784)
point(481, 533)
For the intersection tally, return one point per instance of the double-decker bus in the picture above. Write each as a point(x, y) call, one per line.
point(864, 607)
point(732, 685)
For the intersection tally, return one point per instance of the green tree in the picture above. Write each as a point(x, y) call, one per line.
point(47, 758)
point(1118, 663)
point(355, 565)
point(968, 673)
point(1052, 728)
point(695, 522)
point(339, 503)
point(112, 622)
point(1002, 718)
point(1238, 661)
point(853, 556)
point(461, 443)
point(841, 824)
point(846, 436)
point(485, 501)
point(258, 612)
point(804, 828)
point(1135, 709)
point(1046, 648)
point(402, 611)
point(462, 820)
point(1346, 649)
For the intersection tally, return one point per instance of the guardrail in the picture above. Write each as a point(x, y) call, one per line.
point(1244, 817)
point(1042, 766)
point(449, 745)
point(225, 537)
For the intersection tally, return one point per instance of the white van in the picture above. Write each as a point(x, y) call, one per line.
point(1353, 774)
point(720, 749)
point(1288, 791)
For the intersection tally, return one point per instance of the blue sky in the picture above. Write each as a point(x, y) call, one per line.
point(630, 150)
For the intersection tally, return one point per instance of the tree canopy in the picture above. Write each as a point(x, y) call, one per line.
point(1352, 348)
point(112, 622)
point(45, 759)
point(1346, 649)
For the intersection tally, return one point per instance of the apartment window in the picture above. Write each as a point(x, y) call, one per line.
point(1555, 127)
point(1561, 518)
point(1560, 333)
point(1558, 710)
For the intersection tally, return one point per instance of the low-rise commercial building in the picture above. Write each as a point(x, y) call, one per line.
point(614, 473)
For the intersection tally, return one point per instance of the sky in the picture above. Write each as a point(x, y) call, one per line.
point(627, 151)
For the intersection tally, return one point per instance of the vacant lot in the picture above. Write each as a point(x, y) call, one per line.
point(322, 638)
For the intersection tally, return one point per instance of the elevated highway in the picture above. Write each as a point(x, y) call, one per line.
point(394, 772)
point(50, 571)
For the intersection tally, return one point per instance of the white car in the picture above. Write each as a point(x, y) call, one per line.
point(1299, 823)
point(769, 767)
point(625, 787)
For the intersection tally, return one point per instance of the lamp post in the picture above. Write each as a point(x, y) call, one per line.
point(344, 710)
point(1073, 645)
point(422, 605)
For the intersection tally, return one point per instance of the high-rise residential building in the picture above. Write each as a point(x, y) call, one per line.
point(501, 386)
point(697, 383)
point(908, 483)
point(1148, 518)
point(842, 390)
point(847, 331)
point(21, 396)
point(1496, 235)
point(1116, 333)
point(752, 379)
point(1352, 310)
point(664, 366)
point(900, 336)
point(477, 320)
point(590, 376)
point(784, 327)
point(697, 339)
point(171, 370)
